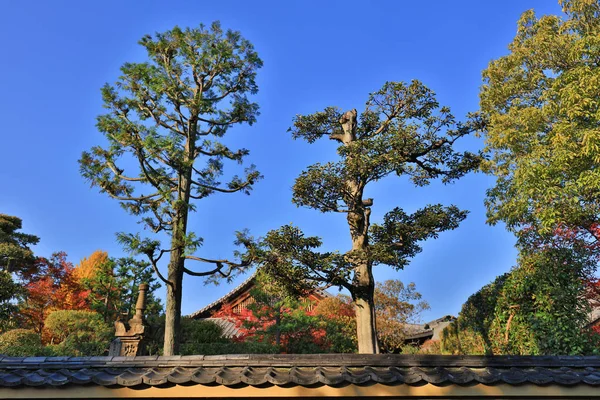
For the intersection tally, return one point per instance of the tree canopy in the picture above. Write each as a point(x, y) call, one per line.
point(53, 286)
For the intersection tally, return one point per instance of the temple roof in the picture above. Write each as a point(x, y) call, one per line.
point(247, 284)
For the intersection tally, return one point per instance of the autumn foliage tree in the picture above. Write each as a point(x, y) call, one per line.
point(402, 131)
point(396, 305)
point(295, 325)
point(338, 330)
point(52, 286)
point(275, 318)
point(168, 115)
point(88, 266)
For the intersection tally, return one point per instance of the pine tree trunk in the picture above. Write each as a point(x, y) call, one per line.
point(173, 306)
point(177, 260)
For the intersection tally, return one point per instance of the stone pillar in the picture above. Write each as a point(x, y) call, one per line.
point(130, 335)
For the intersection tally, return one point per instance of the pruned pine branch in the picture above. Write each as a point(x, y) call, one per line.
point(293, 260)
point(397, 239)
point(318, 125)
point(224, 268)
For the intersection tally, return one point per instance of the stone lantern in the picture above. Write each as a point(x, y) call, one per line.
point(129, 339)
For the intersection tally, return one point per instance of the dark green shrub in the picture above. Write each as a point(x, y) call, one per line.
point(22, 343)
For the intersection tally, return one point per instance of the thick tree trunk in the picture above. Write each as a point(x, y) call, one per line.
point(366, 329)
point(363, 284)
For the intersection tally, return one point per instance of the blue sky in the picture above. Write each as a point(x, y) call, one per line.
point(56, 56)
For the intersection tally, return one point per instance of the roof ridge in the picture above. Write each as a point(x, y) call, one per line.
point(400, 360)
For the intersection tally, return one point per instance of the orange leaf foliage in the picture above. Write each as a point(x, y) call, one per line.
point(87, 267)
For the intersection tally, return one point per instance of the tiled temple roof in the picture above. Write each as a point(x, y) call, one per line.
point(206, 311)
point(217, 303)
point(299, 370)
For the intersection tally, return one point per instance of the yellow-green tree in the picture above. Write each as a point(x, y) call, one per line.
point(542, 110)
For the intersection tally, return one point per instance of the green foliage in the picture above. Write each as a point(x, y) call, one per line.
point(540, 103)
point(545, 296)
point(409, 349)
point(280, 320)
point(15, 254)
point(198, 336)
point(542, 107)
point(297, 330)
point(22, 343)
point(250, 347)
point(168, 113)
point(77, 333)
point(402, 130)
point(396, 241)
point(478, 314)
point(290, 258)
point(536, 309)
point(203, 337)
point(470, 333)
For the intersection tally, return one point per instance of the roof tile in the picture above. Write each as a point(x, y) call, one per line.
point(301, 370)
